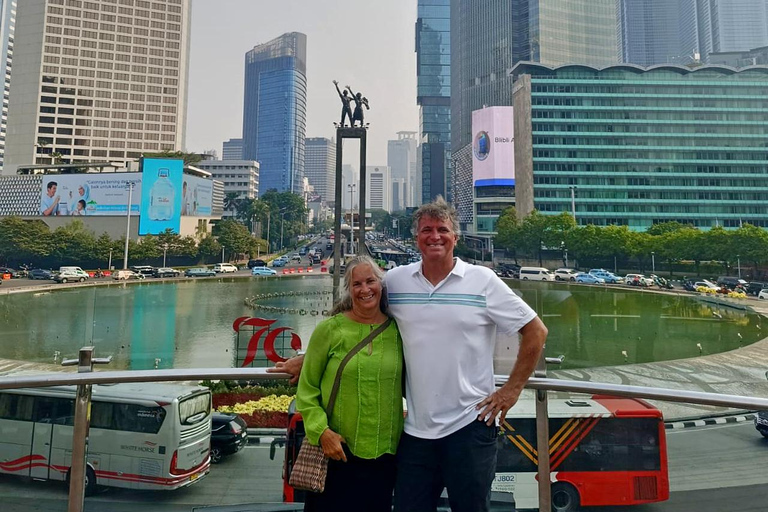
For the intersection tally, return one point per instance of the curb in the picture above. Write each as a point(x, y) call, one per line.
point(709, 421)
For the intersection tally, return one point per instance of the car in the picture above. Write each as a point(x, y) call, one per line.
point(731, 282)
point(638, 280)
point(166, 272)
point(279, 262)
point(125, 275)
point(565, 274)
point(706, 284)
point(315, 259)
point(295, 258)
point(8, 270)
point(755, 287)
point(256, 263)
point(583, 277)
point(39, 273)
point(761, 422)
point(595, 270)
point(303, 251)
point(328, 246)
point(229, 434)
point(199, 272)
point(67, 274)
point(146, 270)
point(608, 277)
point(763, 294)
point(224, 268)
point(262, 271)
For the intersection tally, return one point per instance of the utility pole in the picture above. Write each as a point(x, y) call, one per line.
point(128, 225)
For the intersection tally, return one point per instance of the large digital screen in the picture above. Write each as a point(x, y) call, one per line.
point(82, 195)
point(493, 146)
point(161, 195)
point(196, 196)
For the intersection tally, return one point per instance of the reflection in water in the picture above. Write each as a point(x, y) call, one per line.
point(188, 324)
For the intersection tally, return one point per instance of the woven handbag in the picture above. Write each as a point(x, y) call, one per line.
point(311, 466)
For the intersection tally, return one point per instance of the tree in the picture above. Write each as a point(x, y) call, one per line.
point(73, 243)
point(233, 236)
point(208, 248)
point(293, 218)
point(662, 228)
point(531, 234)
point(507, 228)
point(189, 158)
point(23, 241)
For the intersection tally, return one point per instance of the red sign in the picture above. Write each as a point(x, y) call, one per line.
point(263, 327)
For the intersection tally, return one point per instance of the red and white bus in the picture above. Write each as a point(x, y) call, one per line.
point(603, 451)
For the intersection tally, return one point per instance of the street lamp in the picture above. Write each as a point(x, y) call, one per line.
point(165, 251)
point(109, 265)
point(128, 225)
point(653, 261)
point(282, 221)
point(738, 264)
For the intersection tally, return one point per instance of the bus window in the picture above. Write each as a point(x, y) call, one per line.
point(49, 409)
point(127, 417)
point(16, 407)
point(191, 408)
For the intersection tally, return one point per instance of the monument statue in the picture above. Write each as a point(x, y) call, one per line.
point(360, 100)
point(346, 110)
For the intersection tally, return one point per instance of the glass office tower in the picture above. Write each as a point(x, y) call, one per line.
point(433, 69)
point(642, 146)
point(275, 111)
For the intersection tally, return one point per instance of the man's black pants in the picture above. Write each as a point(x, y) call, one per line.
point(463, 462)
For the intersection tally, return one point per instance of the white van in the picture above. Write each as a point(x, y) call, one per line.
point(536, 274)
point(71, 274)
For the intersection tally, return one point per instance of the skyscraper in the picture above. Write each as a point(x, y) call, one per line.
point(378, 193)
point(433, 69)
point(7, 29)
point(320, 166)
point(401, 159)
point(97, 81)
point(275, 111)
point(232, 149)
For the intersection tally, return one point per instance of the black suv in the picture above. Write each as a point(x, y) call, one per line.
point(754, 287)
point(256, 263)
point(228, 435)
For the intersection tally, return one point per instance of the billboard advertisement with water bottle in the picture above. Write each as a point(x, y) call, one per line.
point(161, 195)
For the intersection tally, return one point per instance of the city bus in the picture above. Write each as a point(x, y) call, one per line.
point(142, 436)
point(603, 451)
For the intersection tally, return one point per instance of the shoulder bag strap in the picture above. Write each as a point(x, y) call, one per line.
point(350, 354)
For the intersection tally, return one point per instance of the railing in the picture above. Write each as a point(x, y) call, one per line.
point(540, 384)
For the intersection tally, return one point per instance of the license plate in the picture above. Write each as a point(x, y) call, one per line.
point(194, 477)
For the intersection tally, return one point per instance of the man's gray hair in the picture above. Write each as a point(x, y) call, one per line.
point(345, 297)
point(437, 209)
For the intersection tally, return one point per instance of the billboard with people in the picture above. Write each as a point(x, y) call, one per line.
point(196, 196)
point(493, 147)
point(161, 195)
point(81, 195)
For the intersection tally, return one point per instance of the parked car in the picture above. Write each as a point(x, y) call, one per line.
point(224, 268)
point(609, 277)
point(731, 282)
point(166, 272)
point(262, 271)
point(536, 274)
point(8, 270)
point(125, 275)
point(763, 294)
point(565, 274)
point(279, 262)
point(761, 422)
point(256, 263)
point(638, 280)
point(145, 270)
point(199, 272)
point(583, 277)
point(39, 273)
point(67, 274)
point(755, 287)
point(229, 435)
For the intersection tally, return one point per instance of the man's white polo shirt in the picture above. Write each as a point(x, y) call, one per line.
point(449, 332)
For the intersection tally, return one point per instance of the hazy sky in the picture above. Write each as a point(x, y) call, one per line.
point(366, 44)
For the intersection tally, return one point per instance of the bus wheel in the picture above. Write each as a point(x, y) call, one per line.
point(565, 498)
point(215, 455)
point(90, 480)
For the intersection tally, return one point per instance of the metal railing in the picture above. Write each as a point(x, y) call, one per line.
point(541, 384)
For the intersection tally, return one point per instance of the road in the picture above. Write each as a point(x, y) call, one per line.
point(712, 469)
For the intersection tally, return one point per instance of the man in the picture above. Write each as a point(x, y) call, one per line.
point(50, 204)
point(448, 313)
point(346, 110)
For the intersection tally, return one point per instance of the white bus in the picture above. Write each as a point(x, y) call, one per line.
point(142, 436)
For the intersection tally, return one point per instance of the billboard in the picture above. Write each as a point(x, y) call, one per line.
point(196, 196)
point(161, 195)
point(493, 147)
point(80, 195)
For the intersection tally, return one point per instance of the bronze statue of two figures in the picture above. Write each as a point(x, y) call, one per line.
point(347, 97)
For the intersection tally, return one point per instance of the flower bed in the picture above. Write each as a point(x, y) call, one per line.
point(257, 406)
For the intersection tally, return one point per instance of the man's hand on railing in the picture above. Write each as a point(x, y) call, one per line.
point(292, 367)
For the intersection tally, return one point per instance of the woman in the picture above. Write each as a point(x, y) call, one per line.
point(367, 419)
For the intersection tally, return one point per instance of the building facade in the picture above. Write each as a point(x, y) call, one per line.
point(401, 159)
point(378, 194)
point(653, 32)
point(433, 75)
point(637, 146)
point(240, 179)
point(275, 111)
point(7, 31)
point(320, 166)
point(97, 81)
point(232, 149)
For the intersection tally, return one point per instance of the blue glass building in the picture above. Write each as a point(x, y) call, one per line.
point(275, 111)
point(433, 68)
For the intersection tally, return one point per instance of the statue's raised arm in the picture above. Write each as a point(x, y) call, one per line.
point(346, 110)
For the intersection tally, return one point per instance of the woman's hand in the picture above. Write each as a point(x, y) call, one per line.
point(330, 442)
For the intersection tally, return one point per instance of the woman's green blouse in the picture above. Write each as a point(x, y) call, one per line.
point(368, 412)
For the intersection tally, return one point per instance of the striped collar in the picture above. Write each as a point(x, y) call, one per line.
point(459, 268)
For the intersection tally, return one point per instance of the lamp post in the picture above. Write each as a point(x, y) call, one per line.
point(282, 221)
point(653, 262)
point(738, 264)
point(165, 251)
point(222, 254)
point(269, 244)
point(109, 265)
point(128, 225)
